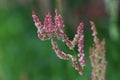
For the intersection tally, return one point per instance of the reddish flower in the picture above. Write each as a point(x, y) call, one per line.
point(50, 30)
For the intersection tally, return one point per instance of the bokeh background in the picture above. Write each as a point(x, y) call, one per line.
point(24, 57)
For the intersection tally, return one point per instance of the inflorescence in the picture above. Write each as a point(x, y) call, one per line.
point(97, 56)
point(49, 30)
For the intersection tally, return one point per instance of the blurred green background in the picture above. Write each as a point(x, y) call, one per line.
point(24, 57)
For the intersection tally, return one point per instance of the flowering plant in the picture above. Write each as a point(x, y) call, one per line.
point(49, 30)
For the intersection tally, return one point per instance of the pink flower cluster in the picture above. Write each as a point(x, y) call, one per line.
point(50, 30)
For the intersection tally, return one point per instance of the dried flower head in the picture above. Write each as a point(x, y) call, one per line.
point(97, 56)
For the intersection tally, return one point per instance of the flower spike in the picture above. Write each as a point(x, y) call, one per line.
point(50, 30)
